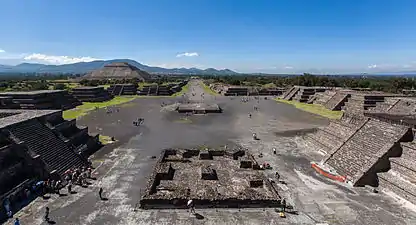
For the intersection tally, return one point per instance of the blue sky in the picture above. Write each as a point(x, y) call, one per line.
point(276, 36)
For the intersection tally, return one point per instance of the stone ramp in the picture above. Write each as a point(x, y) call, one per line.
point(403, 105)
point(323, 98)
point(337, 101)
point(52, 150)
point(367, 151)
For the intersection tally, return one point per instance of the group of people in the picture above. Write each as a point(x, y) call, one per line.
point(78, 176)
point(109, 110)
point(52, 186)
point(139, 122)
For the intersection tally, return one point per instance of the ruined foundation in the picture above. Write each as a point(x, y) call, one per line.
point(211, 178)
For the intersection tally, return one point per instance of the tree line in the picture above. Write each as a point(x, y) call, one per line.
point(393, 84)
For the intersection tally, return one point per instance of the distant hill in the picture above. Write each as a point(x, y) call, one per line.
point(86, 67)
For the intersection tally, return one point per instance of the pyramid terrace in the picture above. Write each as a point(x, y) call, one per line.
point(38, 145)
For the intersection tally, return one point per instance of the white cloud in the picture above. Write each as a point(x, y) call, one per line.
point(188, 54)
point(52, 59)
point(2, 51)
point(178, 65)
point(372, 66)
point(288, 67)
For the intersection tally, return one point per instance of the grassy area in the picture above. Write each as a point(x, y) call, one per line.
point(315, 109)
point(86, 107)
point(208, 90)
point(105, 86)
point(72, 85)
point(183, 120)
point(142, 84)
point(105, 139)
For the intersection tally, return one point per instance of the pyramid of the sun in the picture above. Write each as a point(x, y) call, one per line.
point(118, 70)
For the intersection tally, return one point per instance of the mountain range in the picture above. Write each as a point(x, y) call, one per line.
point(86, 67)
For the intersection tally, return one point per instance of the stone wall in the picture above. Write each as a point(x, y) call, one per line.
point(401, 178)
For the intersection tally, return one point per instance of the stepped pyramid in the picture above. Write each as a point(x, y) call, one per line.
point(118, 70)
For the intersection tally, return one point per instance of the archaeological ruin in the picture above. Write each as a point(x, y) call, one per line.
point(43, 99)
point(36, 145)
point(303, 94)
point(122, 89)
point(211, 178)
point(236, 91)
point(361, 101)
point(118, 71)
point(375, 147)
point(161, 90)
point(91, 94)
point(198, 108)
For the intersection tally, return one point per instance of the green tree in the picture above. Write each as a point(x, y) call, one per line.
point(59, 86)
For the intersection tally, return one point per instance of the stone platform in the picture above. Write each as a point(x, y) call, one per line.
point(199, 108)
point(212, 178)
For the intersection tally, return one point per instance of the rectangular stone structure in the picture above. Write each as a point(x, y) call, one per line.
point(210, 183)
point(205, 155)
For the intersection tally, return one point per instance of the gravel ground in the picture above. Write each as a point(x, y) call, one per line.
point(123, 167)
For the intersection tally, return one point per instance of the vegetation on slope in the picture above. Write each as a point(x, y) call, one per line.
point(313, 108)
point(184, 90)
point(105, 139)
point(208, 90)
point(393, 84)
point(86, 107)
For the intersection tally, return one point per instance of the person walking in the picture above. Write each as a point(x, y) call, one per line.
point(284, 205)
point(47, 214)
point(16, 221)
point(69, 187)
point(191, 206)
point(100, 193)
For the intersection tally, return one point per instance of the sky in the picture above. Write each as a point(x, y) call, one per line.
point(270, 36)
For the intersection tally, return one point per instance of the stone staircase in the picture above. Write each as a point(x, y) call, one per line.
point(291, 93)
point(366, 148)
point(331, 137)
point(52, 150)
point(118, 90)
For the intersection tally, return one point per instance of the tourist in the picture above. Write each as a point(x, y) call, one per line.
point(89, 172)
point(249, 115)
point(69, 187)
point(277, 175)
point(16, 221)
point(100, 193)
point(274, 151)
point(191, 206)
point(283, 205)
point(47, 214)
